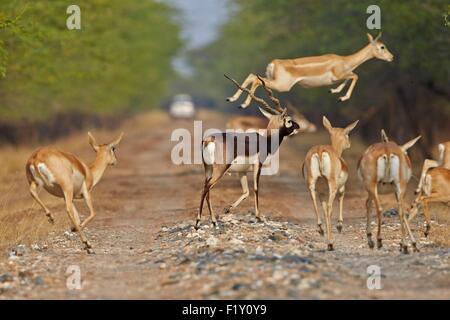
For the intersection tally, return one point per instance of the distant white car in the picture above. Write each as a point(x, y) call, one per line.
point(182, 107)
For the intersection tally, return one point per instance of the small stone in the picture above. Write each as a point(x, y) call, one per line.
point(39, 281)
point(236, 242)
point(6, 277)
point(163, 266)
point(212, 241)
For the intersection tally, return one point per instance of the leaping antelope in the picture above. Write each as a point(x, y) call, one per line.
point(385, 167)
point(316, 71)
point(240, 152)
point(66, 176)
point(324, 163)
point(443, 161)
point(434, 184)
point(253, 123)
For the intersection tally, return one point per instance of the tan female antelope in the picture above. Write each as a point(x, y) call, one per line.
point(239, 152)
point(443, 161)
point(434, 184)
point(385, 167)
point(316, 71)
point(66, 176)
point(324, 163)
point(253, 123)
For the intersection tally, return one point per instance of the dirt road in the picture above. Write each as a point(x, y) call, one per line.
point(146, 247)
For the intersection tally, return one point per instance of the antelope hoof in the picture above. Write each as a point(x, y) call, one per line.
point(379, 243)
point(342, 99)
point(370, 243)
point(339, 227)
point(427, 231)
point(214, 223)
point(260, 219)
point(227, 210)
point(330, 247)
point(90, 251)
point(414, 245)
point(50, 218)
point(243, 106)
point(404, 249)
point(320, 230)
point(330, 90)
point(73, 229)
point(87, 245)
point(196, 226)
point(229, 99)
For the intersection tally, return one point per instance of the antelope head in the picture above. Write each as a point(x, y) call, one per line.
point(379, 49)
point(339, 136)
point(106, 151)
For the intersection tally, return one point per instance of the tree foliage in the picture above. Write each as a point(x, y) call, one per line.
point(120, 60)
point(414, 85)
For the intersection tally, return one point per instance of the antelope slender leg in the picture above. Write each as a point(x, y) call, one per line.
point(256, 175)
point(209, 183)
point(68, 196)
point(88, 199)
point(211, 212)
point(199, 215)
point(245, 192)
point(312, 191)
point(77, 219)
point(331, 197)
point(341, 209)
point(249, 80)
point(400, 195)
point(340, 87)
point(34, 194)
point(256, 83)
point(376, 200)
point(354, 78)
point(368, 225)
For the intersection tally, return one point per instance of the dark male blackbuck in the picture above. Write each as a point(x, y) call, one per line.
point(242, 152)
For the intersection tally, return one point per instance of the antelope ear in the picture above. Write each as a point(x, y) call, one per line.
point(378, 36)
point(327, 124)
point(284, 112)
point(409, 144)
point(351, 126)
point(117, 141)
point(370, 37)
point(266, 114)
point(384, 137)
point(92, 142)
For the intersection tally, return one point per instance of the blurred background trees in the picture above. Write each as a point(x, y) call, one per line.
point(119, 61)
point(407, 97)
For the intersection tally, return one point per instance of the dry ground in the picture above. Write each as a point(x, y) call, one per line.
point(146, 248)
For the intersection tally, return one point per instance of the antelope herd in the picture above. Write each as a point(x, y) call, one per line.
point(384, 167)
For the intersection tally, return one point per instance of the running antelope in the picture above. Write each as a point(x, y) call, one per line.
point(324, 163)
point(239, 152)
point(253, 123)
point(434, 185)
point(316, 71)
point(66, 176)
point(443, 161)
point(385, 167)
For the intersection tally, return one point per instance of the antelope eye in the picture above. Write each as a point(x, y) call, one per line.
point(382, 47)
point(288, 123)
